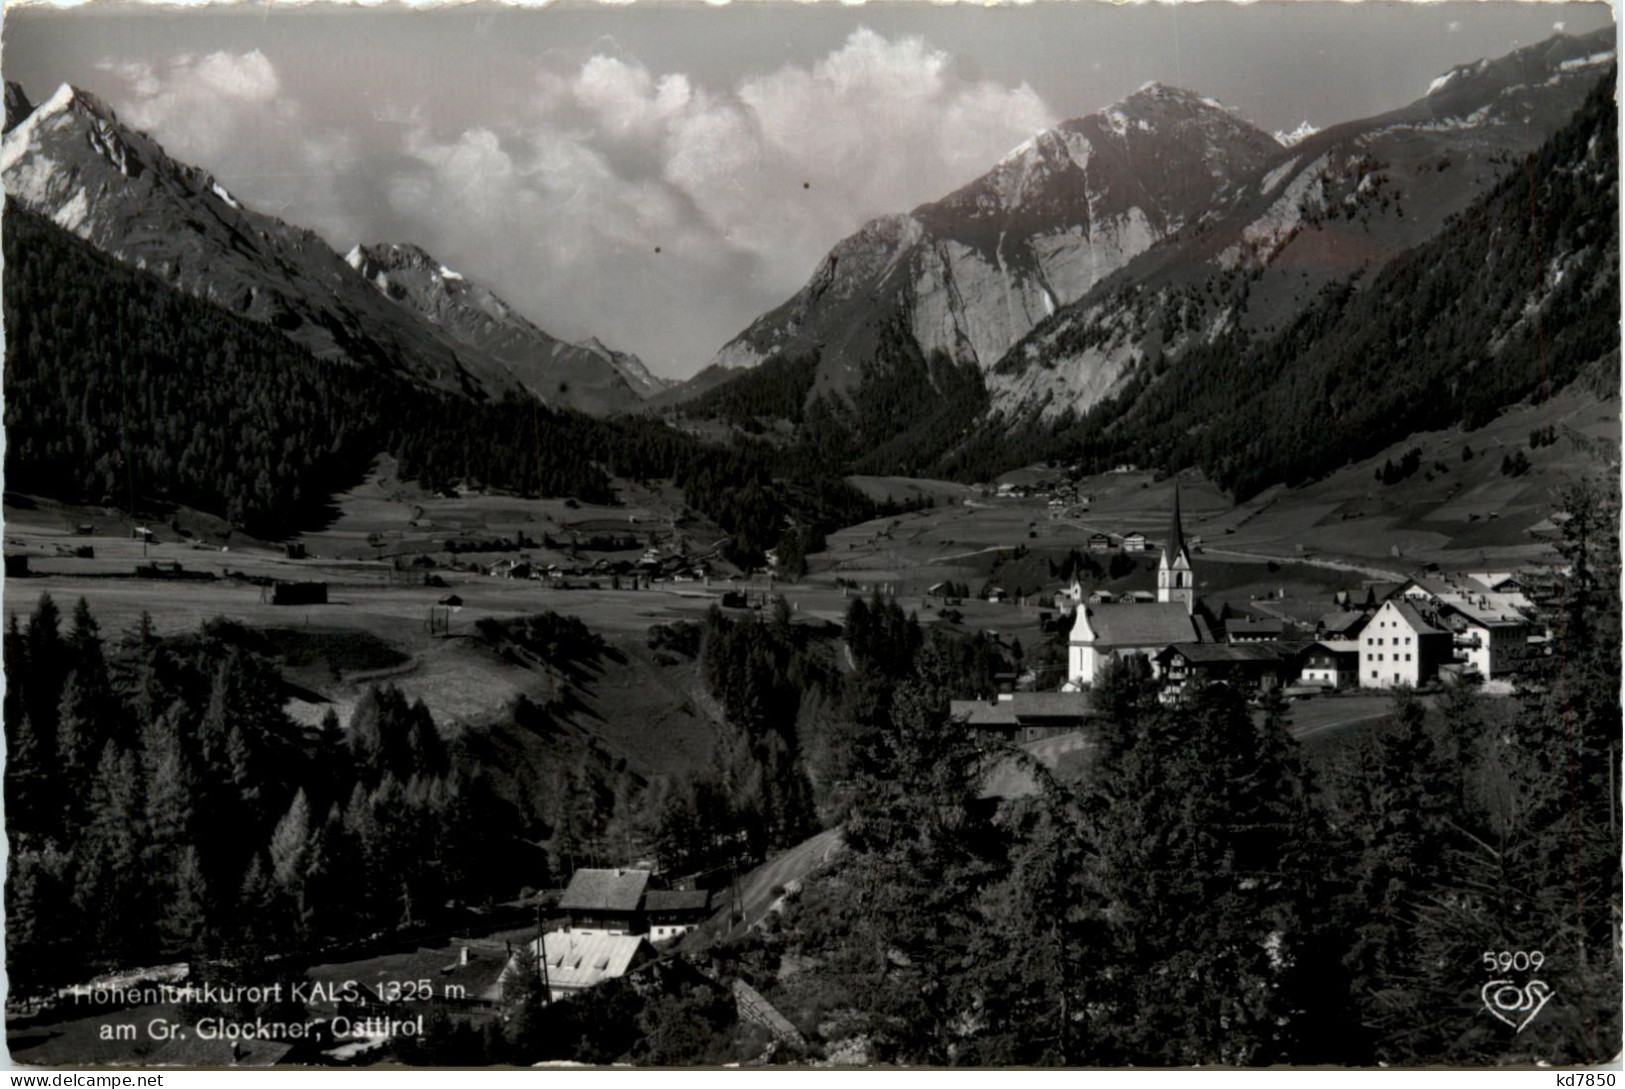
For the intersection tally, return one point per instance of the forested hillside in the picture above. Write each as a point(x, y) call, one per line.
point(1515, 298)
point(120, 390)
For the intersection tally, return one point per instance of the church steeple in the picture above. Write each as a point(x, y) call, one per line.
point(1176, 582)
point(1176, 534)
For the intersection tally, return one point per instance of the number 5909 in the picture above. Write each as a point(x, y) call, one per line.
point(1513, 962)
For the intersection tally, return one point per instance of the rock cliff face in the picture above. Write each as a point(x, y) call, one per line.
point(970, 274)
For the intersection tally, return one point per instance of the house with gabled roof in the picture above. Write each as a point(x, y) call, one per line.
point(1331, 663)
point(1025, 716)
point(1247, 666)
point(1344, 624)
point(674, 912)
point(1401, 646)
point(606, 901)
point(572, 961)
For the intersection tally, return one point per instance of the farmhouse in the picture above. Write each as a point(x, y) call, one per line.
point(1100, 542)
point(1135, 542)
point(1246, 666)
point(571, 962)
point(1332, 663)
point(1254, 631)
point(1025, 716)
point(606, 901)
point(674, 912)
point(1401, 647)
point(1344, 624)
point(511, 569)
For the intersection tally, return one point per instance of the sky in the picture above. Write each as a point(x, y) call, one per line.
point(660, 175)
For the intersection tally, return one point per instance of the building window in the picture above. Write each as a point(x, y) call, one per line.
point(1407, 657)
point(1373, 674)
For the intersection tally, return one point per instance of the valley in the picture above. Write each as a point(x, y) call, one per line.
point(1170, 578)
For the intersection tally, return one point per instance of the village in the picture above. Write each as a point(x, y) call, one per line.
point(1431, 630)
point(1062, 601)
point(1063, 575)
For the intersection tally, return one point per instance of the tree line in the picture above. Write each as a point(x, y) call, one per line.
point(122, 391)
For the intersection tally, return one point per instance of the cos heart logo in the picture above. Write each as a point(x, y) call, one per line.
point(1515, 1005)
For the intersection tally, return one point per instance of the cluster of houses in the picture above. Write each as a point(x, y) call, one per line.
point(652, 567)
point(1436, 628)
point(609, 924)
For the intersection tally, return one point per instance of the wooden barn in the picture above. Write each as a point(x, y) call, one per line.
point(299, 593)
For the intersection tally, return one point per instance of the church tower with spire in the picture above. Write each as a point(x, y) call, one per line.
point(1176, 582)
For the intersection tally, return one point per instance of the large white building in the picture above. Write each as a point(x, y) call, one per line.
point(1489, 617)
point(1399, 646)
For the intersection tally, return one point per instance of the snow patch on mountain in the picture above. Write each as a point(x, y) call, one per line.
point(1451, 76)
point(1275, 177)
point(71, 216)
point(1441, 82)
point(20, 139)
point(218, 190)
point(1586, 62)
point(1298, 135)
point(1263, 238)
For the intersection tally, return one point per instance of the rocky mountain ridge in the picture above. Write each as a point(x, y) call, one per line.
point(71, 159)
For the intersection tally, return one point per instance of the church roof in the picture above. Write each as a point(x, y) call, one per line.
point(1154, 624)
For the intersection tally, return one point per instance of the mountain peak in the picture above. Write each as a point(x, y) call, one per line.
point(1157, 96)
point(1298, 135)
point(67, 96)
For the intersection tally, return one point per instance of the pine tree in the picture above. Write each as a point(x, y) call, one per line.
point(290, 861)
point(114, 890)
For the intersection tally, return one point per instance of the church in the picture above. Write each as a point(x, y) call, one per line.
point(1103, 632)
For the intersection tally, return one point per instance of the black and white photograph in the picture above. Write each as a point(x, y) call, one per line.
point(805, 536)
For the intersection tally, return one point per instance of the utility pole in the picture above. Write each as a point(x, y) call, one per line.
point(541, 956)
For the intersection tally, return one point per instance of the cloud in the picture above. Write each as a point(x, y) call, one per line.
point(201, 101)
point(649, 208)
point(743, 188)
point(230, 113)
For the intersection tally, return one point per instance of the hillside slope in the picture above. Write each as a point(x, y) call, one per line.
point(588, 376)
point(1337, 203)
point(1517, 297)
